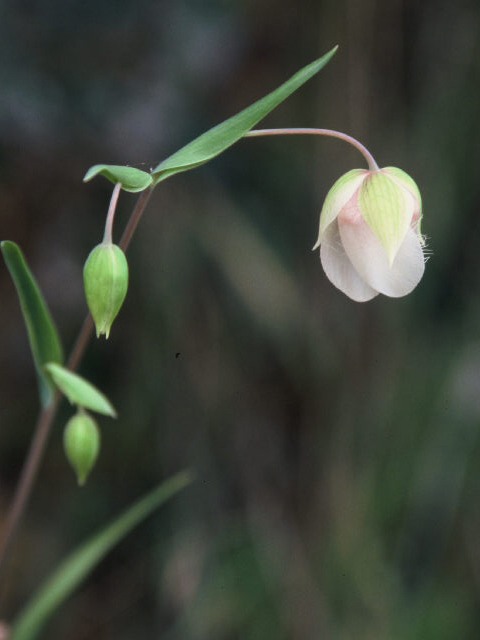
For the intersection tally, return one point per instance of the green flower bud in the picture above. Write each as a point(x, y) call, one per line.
point(105, 279)
point(81, 441)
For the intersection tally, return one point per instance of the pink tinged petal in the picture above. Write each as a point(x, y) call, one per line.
point(370, 260)
point(387, 209)
point(337, 197)
point(339, 269)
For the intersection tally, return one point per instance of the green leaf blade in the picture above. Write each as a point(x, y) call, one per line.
point(133, 180)
point(215, 140)
point(76, 567)
point(79, 391)
point(42, 333)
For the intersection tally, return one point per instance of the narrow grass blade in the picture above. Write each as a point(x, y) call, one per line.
point(76, 567)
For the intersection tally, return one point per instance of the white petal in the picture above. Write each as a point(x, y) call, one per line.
point(339, 269)
point(337, 197)
point(370, 259)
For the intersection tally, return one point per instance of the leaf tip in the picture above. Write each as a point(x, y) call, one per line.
point(5, 245)
point(92, 172)
point(50, 367)
point(331, 53)
point(186, 477)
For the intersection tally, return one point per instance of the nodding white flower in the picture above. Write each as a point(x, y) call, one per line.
point(370, 239)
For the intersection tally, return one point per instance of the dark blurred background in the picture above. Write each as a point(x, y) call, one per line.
point(335, 443)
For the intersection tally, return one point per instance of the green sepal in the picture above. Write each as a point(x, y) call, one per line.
point(42, 332)
point(387, 211)
point(132, 180)
point(79, 391)
point(215, 140)
point(409, 183)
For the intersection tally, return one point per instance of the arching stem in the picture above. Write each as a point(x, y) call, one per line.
point(372, 165)
point(107, 236)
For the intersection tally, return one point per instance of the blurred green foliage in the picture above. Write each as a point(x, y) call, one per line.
point(335, 444)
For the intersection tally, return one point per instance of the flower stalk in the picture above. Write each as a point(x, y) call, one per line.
point(372, 165)
point(107, 236)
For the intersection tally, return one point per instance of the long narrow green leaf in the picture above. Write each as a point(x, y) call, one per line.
point(216, 140)
point(76, 567)
point(42, 333)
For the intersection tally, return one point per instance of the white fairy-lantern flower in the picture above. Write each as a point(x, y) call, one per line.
point(370, 239)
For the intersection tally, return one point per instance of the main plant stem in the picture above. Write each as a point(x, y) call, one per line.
point(47, 414)
point(372, 165)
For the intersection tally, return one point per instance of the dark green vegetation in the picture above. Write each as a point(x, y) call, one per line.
point(335, 444)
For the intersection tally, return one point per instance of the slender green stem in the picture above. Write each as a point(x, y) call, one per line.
point(372, 165)
point(47, 414)
point(135, 218)
point(107, 236)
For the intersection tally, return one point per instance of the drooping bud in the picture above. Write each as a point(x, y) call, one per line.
point(105, 280)
point(81, 441)
point(370, 240)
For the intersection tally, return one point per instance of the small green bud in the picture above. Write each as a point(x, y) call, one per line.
point(81, 441)
point(105, 279)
